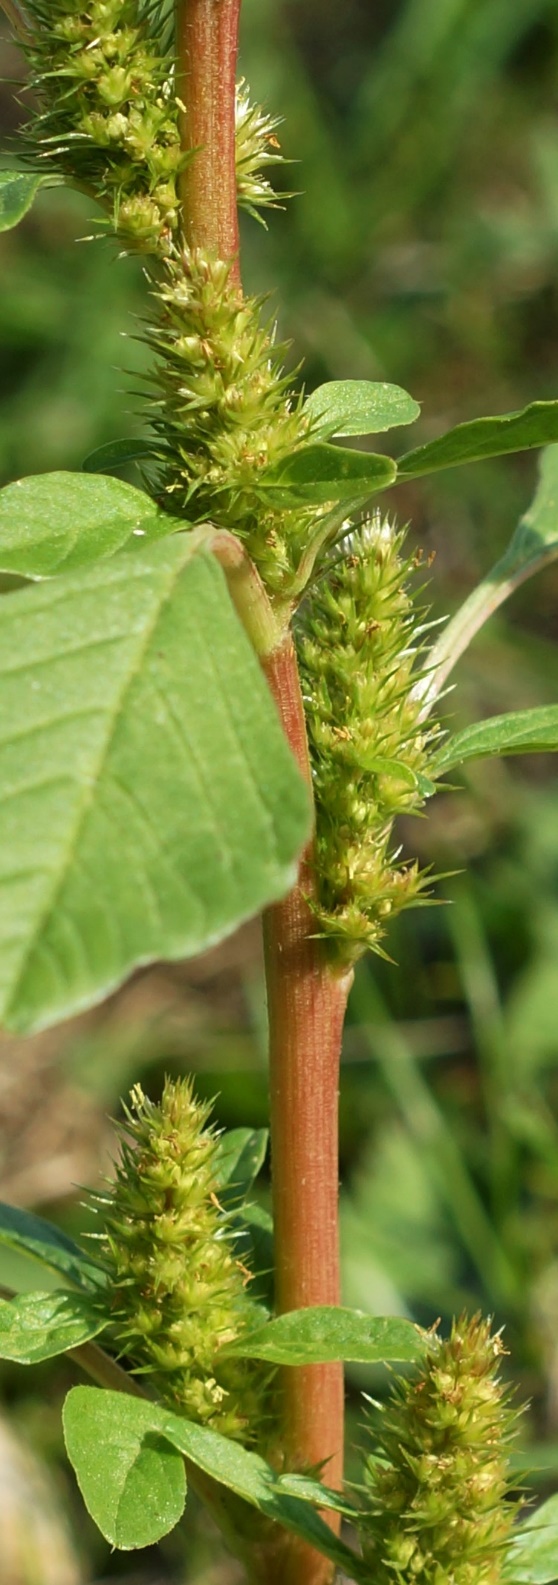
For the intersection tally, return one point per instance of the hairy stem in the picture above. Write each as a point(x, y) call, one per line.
point(207, 42)
point(307, 1004)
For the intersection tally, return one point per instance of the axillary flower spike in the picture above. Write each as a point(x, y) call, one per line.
point(358, 641)
point(437, 1481)
point(179, 1292)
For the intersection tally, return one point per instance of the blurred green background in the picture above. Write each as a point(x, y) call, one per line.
point(423, 249)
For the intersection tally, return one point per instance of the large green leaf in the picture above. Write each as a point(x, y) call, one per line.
point(320, 473)
point(359, 407)
point(57, 522)
point(536, 425)
point(520, 732)
point(97, 1421)
point(532, 1556)
point(132, 1481)
point(241, 1155)
point(321, 1333)
point(17, 191)
point(37, 1326)
point(148, 799)
point(31, 1235)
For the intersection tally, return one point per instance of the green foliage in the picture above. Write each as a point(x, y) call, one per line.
point(370, 753)
point(323, 475)
point(17, 191)
point(536, 425)
point(438, 1476)
point(98, 1424)
point(178, 1294)
point(139, 786)
point(320, 1333)
point(520, 732)
point(532, 1556)
point(358, 407)
point(37, 1326)
point(32, 1236)
point(59, 522)
point(131, 1479)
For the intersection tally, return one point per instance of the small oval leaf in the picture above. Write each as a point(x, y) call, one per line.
point(37, 1326)
point(17, 191)
point(240, 1157)
point(321, 474)
point(132, 1481)
point(359, 407)
point(324, 1332)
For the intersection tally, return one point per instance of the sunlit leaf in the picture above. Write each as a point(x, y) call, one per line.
point(359, 407)
point(132, 1481)
point(57, 522)
point(37, 1326)
point(323, 1332)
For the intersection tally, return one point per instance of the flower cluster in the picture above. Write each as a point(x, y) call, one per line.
point(103, 73)
point(178, 1293)
point(370, 753)
point(437, 1512)
point(223, 412)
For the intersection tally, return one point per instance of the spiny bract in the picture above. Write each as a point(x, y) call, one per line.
point(437, 1480)
point(178, 1291)
point(370, 751)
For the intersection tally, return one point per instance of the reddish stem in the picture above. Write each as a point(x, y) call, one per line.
point(307, 1003)
point(207, 44)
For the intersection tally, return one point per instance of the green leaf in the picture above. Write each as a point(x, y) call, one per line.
point(31, 1235)
point(536, 425)
point(241, 1156)
point(532, 1555)
point(252, 1228)
point(98, 1421)
point(148, 799)
point(37, 1326)
point(116, 454)
point(57, 522)
point(17, 191)
point(323, 1332)
point(132, 1482)
point(520, 732)
point(533, 546)
point(320, 473)
point(359, 407)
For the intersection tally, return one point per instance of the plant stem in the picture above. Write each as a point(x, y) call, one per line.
point(207, 42)
point(307, 1003)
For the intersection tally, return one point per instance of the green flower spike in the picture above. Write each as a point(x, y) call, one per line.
point(370, 752)
point(223, 412)
point(436, 1484)
point(178, 1291)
